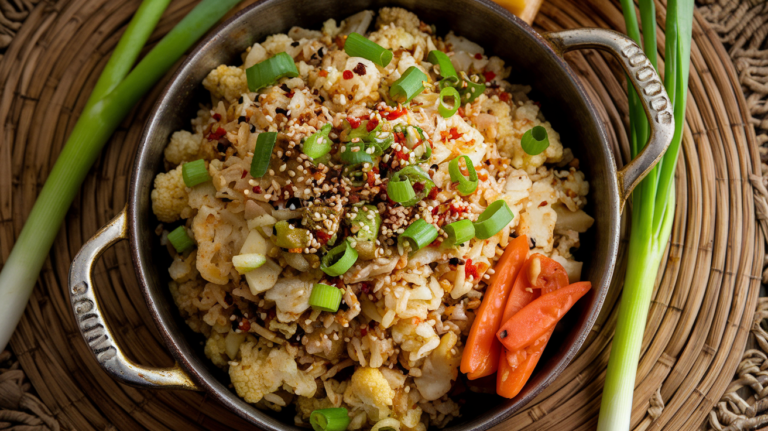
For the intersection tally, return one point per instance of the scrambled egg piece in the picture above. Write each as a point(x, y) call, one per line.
point(216, 349)
point(169, 198)
point(227, 82)
point(440, 368)
point(263, 370)
point(370, 386)
point(183, 147)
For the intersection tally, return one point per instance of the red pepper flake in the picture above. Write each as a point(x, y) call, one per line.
point(372, 124)
point(455, 133)
point(489, 76)
point(401, 155)
point(218, 134)
point(418, 187)
point(363, 332)
point(371, 179)
point(394, 115)
point(354, 122)
point(322, 73)
point(347, 75)
point(433, 193)
point(504, 96)
point(245, 325)
point(244, 174)
point(216, 116)
point(461, 112)
point(479, 56)
point(470, 270)
point(399, 137)
point(353, 199)
point(543, 204)
point(322, 236)
point(290, 94)
point(359, 69)
point(436, 243)
point(256, 189)
point(365, 287)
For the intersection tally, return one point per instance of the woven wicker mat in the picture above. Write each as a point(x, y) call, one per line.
point(698, 324)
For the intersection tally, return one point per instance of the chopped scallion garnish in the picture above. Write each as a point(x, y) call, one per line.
point(443, 62)
point(443, 108)
point(325, 298)
point(334, 419)
point(419, 234)
point(339, 259)
point(319, 144)
point(265, 143)
point(194, 173)
point(360, 46)
point(466, 186)
point(267, 72)
point(495, 218)
point(409, 175)
point(400, 190)
point(408, 86)
point(248, 262)
point(354, 158)
point(459, 232)
point(471, 91)
point(180, 240)
point(535, 141)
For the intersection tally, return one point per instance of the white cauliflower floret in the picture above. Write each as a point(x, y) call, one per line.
point(538, 219)
point(330, 28)
point(393, 38)
point(278, 43)
point(216, 349)
point(399, 17)
point(227, 82)
point(369, 386)
point(526, 117)
point(440, 368)
point(169, 197)
point(417, 339)
point(183, 147)
point(364, 83)
point(291, 296)
point(263, 370)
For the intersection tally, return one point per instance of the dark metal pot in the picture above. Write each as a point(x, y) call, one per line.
point(536, 60)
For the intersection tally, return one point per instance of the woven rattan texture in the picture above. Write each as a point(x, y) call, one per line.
point(698, 323)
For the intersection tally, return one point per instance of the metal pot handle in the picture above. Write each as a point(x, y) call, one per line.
point(93, 327)
point(653, 96)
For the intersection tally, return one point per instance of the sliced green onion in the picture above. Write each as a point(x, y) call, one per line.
point(408, 175)
point(459, 232)
point(325, 298)
point(360, 46)
point(495, 218)
point(248, 262)
point(451, 81)
point(194, 173)
point(265, 143)
point(267, 72)
point(339, 259)
point(535, 141)
point(419, 234)
point(380, 141)
point(319, 144)
point(442, 108)
point(471, 91)
point(446, 67)
point(180, 240)
point(408, 86)
point(466, 186)
point(354, 158)
point(329, 419)
point(400, 190)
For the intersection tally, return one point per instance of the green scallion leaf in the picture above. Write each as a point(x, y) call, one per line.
point(360, 46)
point(334, 419)
point(355, 158)
point(409, 175)
point(444, 63)
point(459, 232)
point(265, 143)
point(535, 141)
point(419, 235)
point(400, 190)
point(338, 260)
point(325, 298)
point(180, 240)
point(495, 218)
point(248, 262)
point(269, 71)
point(408, 86)
point(470, 91)
point(194, 173)
point(319, 144)
point(443, 108)
point(466, 186)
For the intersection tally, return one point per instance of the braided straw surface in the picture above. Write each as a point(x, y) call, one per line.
point(698, 323)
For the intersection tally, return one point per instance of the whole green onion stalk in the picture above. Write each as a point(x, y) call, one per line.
point(653, 205)
point(118, 89)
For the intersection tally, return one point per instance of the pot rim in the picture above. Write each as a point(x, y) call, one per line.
point(230, 399)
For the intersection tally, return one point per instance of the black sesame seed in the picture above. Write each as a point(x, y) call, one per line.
point(513, 234)
point(503, 334)
point(281, 111)
point(241, 119)
point(285, 88)
point(253, 128)
point(295, 44)
point(434, 167)
point(454, 261)
point(321, 52)
point(240, 100)
point(293, 204)
point(533, 243)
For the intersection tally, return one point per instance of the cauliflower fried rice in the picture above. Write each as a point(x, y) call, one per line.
point(390, 355)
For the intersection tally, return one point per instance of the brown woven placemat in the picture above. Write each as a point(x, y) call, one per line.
point(699, 320)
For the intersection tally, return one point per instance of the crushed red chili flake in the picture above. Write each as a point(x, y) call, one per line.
point(244, 174)
point(245, 325)
point(363, 332)
point(504, 96)
point(347, 74)
point(372, 124)
point(489, 76)
point(394, 115)
point(354, 122)
point(436, 243)
point(418, 187)
point(290, 94)
point(461, 112)
point(479, 56)
point(322, 73)
point(365, 287)
point(433, 193)
point(359, 69)
point(218, 134)
point(401, 155)
point(470, 270)
point(543, 204)
point(256, 189)
point(455, 133)
point(322, 236)
point(354, 199)
point(371, 179)
point(216, 116)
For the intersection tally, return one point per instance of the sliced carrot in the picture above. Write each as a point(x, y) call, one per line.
point(517, 367)
point(552, 276)
point(481, 352)
point(540, 316)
